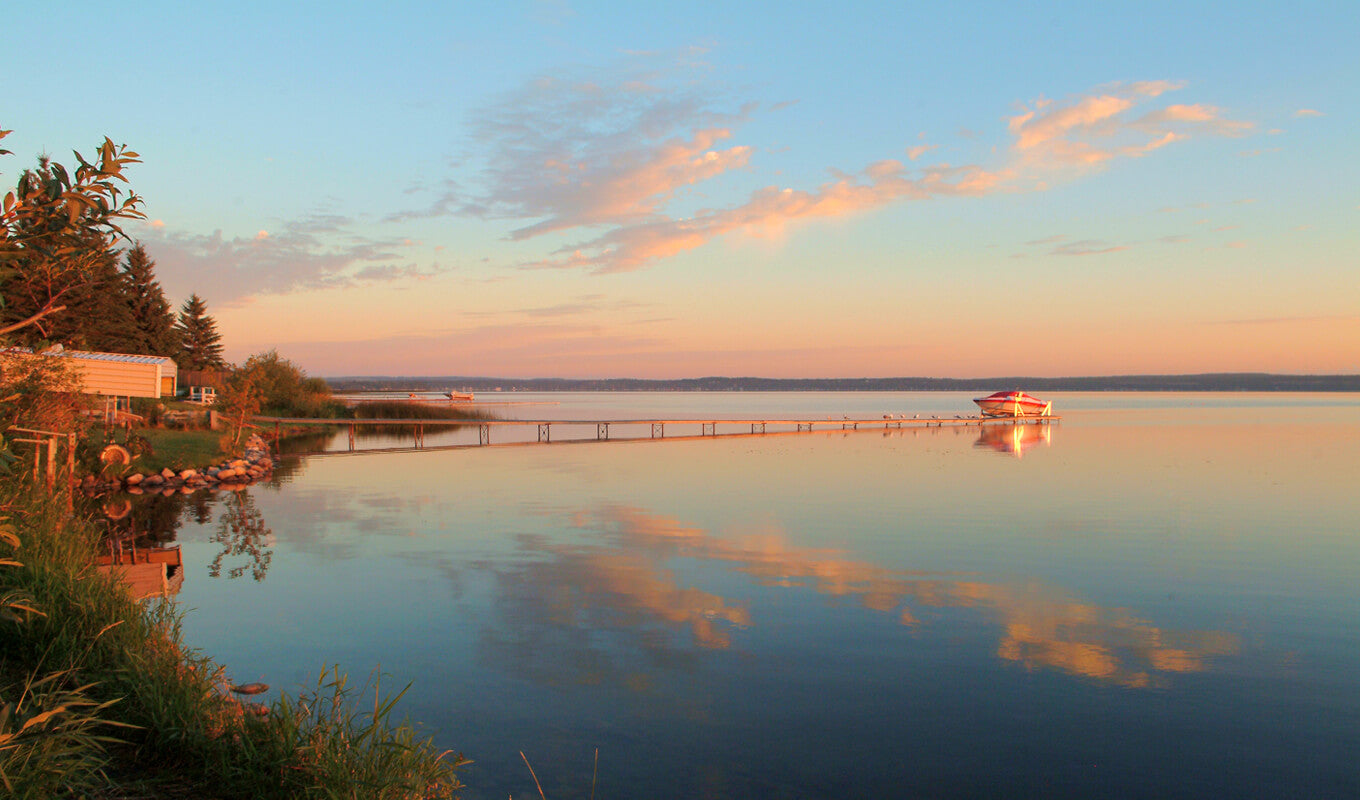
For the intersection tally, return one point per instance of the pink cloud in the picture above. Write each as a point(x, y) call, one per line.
point(919, 150)
point(1309, 112)
point(611, 154)
point(1088, 131)
point(768, 211)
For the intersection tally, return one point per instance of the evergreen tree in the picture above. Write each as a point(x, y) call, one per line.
point(98, 316)
point(152, 314)
point(200, 343)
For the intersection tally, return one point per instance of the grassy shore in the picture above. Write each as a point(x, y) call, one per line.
point(100, 697)
point(180, 449)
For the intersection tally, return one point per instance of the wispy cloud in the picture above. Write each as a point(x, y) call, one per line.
point(1090, 130)
point(611, 157)
point(1309, 112)
point(1087, 247)
point(1286, 320)
point(228, 271)
point(919, 150)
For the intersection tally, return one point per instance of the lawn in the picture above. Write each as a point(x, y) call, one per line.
point(179, 449)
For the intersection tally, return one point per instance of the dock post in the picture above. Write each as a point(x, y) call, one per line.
point(544, 432)
point(484, 434)
point(658, 430)
point(351, 437)
point(602, 430)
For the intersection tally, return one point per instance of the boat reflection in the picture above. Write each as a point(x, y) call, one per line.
point(610, 609)
point(1013, 439)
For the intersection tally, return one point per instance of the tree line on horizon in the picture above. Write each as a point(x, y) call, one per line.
point(66, 277)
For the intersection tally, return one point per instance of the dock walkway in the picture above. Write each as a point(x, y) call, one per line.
point(656, 427)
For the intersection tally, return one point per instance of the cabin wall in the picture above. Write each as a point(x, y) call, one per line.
point(119, 379)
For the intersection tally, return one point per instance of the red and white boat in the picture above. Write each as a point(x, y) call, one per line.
point(1013, 404)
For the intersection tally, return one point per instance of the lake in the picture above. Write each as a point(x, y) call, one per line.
point(1157, 596)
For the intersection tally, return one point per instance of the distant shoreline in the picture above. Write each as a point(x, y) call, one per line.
point(1208, 382)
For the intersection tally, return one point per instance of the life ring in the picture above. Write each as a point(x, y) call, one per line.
point(115, 454)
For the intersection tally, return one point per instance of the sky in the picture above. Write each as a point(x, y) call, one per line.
point(571, 189)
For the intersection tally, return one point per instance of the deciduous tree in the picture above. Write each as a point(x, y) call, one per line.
point(56, 229)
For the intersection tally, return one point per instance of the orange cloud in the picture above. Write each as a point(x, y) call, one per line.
point(1089, 131)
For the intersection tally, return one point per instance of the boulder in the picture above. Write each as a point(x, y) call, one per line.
point(134, 479)
point(167, 473)
point(187, 474)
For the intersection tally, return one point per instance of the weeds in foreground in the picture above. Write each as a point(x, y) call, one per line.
point(85, 671)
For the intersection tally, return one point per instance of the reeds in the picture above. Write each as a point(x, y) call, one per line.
point(97, 691)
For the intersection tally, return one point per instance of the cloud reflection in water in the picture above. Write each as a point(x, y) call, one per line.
point(613, 610)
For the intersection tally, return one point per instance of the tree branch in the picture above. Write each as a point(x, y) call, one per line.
point(23, 323)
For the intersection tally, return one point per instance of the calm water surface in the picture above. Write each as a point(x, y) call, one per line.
point(1158, 597)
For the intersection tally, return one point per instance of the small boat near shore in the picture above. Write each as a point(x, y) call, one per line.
point(1013, 404)
point(459, 397)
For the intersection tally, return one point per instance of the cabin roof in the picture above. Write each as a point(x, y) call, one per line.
point(121, 357)
point(90, 355)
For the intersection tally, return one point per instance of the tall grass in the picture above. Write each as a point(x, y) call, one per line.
point(86, 672)
point(400, 409)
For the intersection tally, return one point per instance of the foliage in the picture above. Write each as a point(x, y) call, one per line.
point(41, 392)
point(239, 400)
point(200, 343)
point(57, 231)
point(286, 390)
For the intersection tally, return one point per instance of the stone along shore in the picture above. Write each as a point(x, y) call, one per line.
point(256, 464)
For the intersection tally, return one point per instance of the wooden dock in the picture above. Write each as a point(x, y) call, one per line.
point(657, 428)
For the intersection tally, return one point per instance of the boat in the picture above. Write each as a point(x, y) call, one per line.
point(1013, 404)
point(459, 397)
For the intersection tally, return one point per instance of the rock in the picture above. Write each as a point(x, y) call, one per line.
point(226, 474)
point(134, 490)
point(153, 480)
point(251, 688)
point(167, 473)
point(239, 463)
point(134, 479)
point(187, 474)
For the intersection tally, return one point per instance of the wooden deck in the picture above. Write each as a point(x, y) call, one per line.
point(656, 428)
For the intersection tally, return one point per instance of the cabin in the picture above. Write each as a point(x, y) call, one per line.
point(121, 375)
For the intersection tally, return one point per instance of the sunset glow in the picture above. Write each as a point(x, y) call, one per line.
point(600, 190)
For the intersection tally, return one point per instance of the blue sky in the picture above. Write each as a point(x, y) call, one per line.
point(816, 189)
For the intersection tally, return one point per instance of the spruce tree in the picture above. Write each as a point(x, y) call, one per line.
point(155, 332)
point(200, 343)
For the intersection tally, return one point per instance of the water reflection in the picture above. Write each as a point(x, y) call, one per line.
point(151, 522)
point(1013, 439)
point(567, 597)
point(241, 532)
